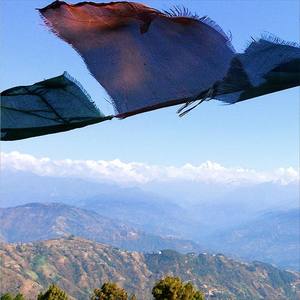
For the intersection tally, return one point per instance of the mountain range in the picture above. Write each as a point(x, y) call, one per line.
point(78, 266)
point(273, 237)
point(41, 221)
point(248, 222)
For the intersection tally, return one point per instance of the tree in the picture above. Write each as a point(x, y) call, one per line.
point(53, 293)
point(19, 297)
point(109, 291)
point(172, 288)
point(9, 296)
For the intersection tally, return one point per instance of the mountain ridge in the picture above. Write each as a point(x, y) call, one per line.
point(40, 221)
point(79, 265)
point(272, 237)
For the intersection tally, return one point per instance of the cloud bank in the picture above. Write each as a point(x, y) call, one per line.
point(116, 171)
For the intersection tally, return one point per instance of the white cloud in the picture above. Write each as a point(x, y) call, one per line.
point(119, 172)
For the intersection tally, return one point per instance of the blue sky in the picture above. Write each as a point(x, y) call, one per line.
point(261, 133)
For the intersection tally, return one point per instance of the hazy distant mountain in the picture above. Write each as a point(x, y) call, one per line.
point(237, 227)
point(36, 221)
point(203, 213)
point(146, 211)
point(273, 237)
point(271, 194)
point(181, 206)
point(79, 265)
point(35, 188)
point(224, 208)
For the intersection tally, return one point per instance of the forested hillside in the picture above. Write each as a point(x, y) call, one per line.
point(79, 266)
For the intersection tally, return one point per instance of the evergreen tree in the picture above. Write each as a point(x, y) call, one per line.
point(109, 291)
point(172, 288)
point(7, 296)
point(53, 293)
